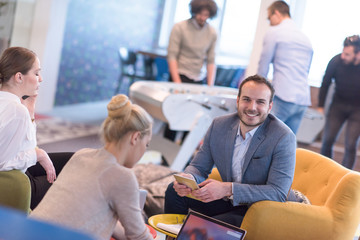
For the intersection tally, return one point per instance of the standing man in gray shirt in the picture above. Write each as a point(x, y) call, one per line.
point(192, 43)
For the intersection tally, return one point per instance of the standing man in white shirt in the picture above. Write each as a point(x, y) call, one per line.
point(290, 52)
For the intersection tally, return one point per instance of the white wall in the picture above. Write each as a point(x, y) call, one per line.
point(261, 28)
point(22, 23)
point(39, 26)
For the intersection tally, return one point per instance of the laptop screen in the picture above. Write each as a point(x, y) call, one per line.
point(198, 226)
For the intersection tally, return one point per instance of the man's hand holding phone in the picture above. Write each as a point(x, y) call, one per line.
point(207, 191)
point(184, 184)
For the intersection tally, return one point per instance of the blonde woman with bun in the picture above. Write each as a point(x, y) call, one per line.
point(97, 192)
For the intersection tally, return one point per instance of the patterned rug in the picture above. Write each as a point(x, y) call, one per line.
point(51, 130)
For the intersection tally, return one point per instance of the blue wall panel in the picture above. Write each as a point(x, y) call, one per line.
point(89, 66)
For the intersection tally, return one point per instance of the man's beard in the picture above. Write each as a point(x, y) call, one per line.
point(261, 120)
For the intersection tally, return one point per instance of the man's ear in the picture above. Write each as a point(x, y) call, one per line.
point(357, 60)
point(135, 137)
point(270, 106)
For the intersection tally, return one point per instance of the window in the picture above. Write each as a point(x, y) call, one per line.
point(238, 28)
point(327, 24)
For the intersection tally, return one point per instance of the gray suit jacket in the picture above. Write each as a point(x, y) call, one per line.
point(269, 165)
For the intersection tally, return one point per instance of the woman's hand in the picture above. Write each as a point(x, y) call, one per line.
point(44, 160)
point(29, 103)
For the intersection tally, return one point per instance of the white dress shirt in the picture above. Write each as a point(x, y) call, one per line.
point(290, 52)
point(17, 134)
point(240, 148)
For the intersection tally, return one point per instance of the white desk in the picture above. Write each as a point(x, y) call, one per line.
point(185, 107)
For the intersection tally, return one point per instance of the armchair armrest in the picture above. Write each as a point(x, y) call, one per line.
point(345, 204)
point(276, 220)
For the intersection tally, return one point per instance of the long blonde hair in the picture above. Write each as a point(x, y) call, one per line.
point(124, 117)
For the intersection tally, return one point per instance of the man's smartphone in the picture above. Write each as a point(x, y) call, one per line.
point(191, 183)
point(186, 181)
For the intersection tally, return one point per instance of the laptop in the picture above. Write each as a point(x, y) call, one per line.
point(142, 198)
point(199, 226)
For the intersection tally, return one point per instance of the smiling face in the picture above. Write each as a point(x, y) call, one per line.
point(32, 79)
point(253, 105)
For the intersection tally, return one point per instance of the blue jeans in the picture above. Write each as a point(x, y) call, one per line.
point(337, 115)
point(290, 113)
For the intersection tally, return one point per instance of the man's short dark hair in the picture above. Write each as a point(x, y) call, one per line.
point(259, 80)
point(196, 6)
point(354, 41)
point(281, 6)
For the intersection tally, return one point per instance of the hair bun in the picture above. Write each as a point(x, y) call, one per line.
point(119, 107)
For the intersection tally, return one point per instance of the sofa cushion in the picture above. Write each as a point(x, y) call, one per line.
point(297, 196)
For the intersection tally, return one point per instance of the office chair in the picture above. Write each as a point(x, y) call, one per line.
point(228, 76)
point(128, 60)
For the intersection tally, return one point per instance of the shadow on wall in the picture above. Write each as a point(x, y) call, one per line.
point(94, 31)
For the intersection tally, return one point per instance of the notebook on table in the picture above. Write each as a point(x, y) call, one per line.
point(199, 226)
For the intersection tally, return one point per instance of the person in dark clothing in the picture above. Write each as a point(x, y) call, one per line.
point(344, 71)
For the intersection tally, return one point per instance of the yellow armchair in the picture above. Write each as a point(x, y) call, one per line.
point(334, 213)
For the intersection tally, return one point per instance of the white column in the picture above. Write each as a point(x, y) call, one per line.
point(262, 26)
point(50, 27)
point(39, 25)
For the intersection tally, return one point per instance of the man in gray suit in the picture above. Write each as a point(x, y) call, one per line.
point(254, 153)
